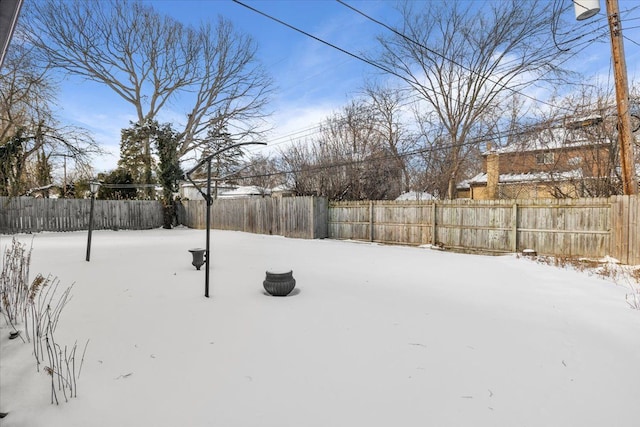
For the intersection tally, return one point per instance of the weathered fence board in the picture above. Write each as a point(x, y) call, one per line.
point(303, 217)
point(28, 214)
point(570, 227)
point(573, 227)
point(625, 229)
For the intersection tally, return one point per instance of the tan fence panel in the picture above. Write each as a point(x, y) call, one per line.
point(407, 222)
point(350, 220)
point(570, 227)
point(484, 225)
point(634, 231)
point(28, 214)
point(303, 217)
point(625, 229)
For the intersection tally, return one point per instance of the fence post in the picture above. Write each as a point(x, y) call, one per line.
point(625, 235)
point(620, 226)
point(634, 230)
point(433, 225)
point(371, 220)
point(514, 228)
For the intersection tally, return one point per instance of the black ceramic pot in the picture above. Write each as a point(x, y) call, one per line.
point(279, 284)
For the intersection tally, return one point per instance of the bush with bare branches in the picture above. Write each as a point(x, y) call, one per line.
point(36, 309)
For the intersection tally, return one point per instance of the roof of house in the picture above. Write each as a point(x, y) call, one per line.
point(244, 191)
point(415, 195)
point(511, 178)
point(552, 139)
point(281, 189)
point(481, 178)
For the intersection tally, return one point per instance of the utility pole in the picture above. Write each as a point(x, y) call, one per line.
point(625, 136)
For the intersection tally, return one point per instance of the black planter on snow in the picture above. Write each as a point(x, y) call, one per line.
point(279, 284)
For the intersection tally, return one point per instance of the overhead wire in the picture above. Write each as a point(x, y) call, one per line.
point(632, 41)
point(353, 55)
point(577, 48)
point(424, 150)
point(316, 129)
point(286, 138)
point(557, 6)
point(385, 69)
point(583, 44)
point(346, 52)
point(434, 52)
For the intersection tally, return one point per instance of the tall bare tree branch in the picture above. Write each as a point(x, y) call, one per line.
point(152, 61)
point(461, 60)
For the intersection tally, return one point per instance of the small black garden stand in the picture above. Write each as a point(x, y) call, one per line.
point(198, 257)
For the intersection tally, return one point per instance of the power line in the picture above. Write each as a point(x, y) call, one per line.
point(378, 66)
point(583, 44)
point(353, 55)
point(389, 156)
point(502, 85)
point(632, 41)
point(313, 130)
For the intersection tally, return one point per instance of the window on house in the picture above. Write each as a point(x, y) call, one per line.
point(544, 158)
point(574, 161)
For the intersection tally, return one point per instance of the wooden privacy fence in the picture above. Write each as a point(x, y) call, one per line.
point(569, 227)
point(572, 227)
point(301, 217)
point(28, 214)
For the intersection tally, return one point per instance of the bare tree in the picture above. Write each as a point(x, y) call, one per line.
point(262, 171)
point(389, 105)
point(591, 137)
point(351, 157)
point(349, 138)
point(300, 168)
point(31, 138)
point(460, 60)
point(433, 160)
point(150, 60)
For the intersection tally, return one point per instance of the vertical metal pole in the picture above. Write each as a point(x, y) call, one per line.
point(209, 200)
point(514, 228)
point(206, 273)
point(93, 197)
point(433, 223)
point(625, 137)
point(371, 220)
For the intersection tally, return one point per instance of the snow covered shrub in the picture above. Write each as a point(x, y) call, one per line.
point(45, 307)
point(36, 308)
point(624, 275)
point(14, 281)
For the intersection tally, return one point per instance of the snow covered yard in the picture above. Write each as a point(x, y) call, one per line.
point(372, 336)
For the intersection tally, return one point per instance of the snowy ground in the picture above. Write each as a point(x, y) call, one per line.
point(372, 336)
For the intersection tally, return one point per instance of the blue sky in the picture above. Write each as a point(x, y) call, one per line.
point(312, 79)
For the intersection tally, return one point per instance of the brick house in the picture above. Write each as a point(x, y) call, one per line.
point(574, 160)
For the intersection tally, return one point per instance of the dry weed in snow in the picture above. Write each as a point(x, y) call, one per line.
point(35, 309)
point(606, 268)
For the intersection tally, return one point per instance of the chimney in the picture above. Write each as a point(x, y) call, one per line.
point(493, 174)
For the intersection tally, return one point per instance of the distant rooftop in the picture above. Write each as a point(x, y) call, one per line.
point(481, 178)
point(576, 133)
